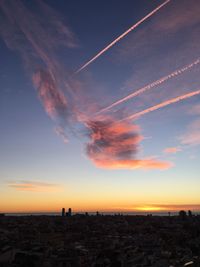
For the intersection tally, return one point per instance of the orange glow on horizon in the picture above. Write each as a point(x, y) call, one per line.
point(76, 209)
point(150, 208)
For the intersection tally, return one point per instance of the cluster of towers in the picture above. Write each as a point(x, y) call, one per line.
point(68, 214)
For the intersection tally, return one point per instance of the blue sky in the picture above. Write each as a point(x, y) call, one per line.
point(104, 164)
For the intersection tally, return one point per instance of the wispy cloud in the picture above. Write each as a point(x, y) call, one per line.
point(178, 16)
point(122, 35)
point(163, 104)
point(151, 85)
point(192, 135)
point(37, 37)
point(34, 186)
point(60, 132)
point(172, 150)
point(157, 49)
point(52, 98)
point(195, 110)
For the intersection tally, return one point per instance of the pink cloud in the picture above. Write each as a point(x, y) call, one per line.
point(53, 99)
point(172, 150)
point(131, 164)
point(33, 186)
point(114, 145)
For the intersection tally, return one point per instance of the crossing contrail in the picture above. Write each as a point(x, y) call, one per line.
point(161, 105)
point(151, 85)
point(121, 36)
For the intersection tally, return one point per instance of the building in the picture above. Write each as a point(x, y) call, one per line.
point(63, 212)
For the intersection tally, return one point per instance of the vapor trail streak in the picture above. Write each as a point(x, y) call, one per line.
point(151, 85)
point(121, 36)
point(161, 105)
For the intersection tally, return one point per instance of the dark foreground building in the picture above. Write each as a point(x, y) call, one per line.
point(98, 241)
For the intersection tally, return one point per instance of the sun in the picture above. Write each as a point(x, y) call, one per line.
point(149, 208)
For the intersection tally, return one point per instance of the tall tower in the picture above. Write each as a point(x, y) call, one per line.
point(69, 212)
point(63, 212)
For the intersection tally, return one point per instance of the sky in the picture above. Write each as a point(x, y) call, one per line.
point(99, 105)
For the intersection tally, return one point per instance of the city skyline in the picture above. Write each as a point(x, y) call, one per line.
point(99, 106)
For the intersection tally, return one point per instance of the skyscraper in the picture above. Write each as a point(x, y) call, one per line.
point(63, 212)
point(69, 212)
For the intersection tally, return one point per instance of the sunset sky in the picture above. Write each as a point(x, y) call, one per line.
point(99, 105)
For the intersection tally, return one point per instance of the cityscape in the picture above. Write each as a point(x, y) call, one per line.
point(100, 240)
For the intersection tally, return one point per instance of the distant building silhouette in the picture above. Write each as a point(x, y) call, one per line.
point(63, 212)
point(69, 213)
point(189, 213)
point(182, 214)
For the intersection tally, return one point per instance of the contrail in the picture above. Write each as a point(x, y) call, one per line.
point(151, 85)
point(161, 105)
point(121, 36)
